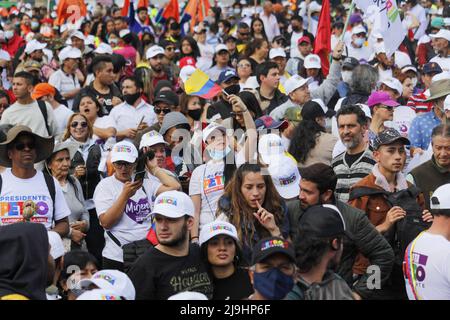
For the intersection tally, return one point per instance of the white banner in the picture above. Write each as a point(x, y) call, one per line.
point(387, 21)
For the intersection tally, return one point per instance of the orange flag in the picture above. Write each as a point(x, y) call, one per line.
point(70, 10)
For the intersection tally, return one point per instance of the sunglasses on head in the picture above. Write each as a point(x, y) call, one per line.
point(76, 123)
point(165, 110)
point(21, 146)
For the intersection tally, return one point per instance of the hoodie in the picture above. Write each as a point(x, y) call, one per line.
point(24, 250)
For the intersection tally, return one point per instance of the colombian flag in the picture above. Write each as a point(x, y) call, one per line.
point(151, 235)
point(199, 84)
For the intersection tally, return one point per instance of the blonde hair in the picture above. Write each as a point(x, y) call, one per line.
point(69, 122)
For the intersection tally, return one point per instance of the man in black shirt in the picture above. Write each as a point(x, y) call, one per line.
point(174, 265)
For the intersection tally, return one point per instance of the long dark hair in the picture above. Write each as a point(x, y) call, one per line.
point(255, 44)
point(252, 33)
point(252, 104)
point(304, 139)
point(195, 50)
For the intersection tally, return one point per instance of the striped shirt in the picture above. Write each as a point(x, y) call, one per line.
point(348, 176)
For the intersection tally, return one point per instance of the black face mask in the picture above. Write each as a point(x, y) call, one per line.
point(131, 98)
point(195, 114)
point(233, 89)
point(296, 29)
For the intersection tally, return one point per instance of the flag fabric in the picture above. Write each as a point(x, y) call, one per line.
point(125, 8)
point(151, 235)
point(387, 22)
point(195, 11)
point(171, 10)
point(70, 9)
point(143, 3)
point(199, 84)
point(322, 41)
point(132, 23)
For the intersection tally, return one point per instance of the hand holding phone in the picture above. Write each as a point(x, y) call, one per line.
point(139, 176)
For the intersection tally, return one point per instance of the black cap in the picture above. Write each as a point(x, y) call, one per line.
point(229, 38)
point(431, 67)
point(350, 63)
point(322, 221)
point(312, 109)
point(388, 136)
point(165, 43)
point(269, 246)
point(168, 97)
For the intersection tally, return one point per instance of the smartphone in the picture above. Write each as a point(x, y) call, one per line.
point(139, 176)
point(226, 93)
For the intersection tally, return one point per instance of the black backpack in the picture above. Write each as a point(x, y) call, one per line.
point(43, 109)
point(404, 230)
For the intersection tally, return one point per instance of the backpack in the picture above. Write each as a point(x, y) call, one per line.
point(50, 186)
point(43, 108)
point(406, 229)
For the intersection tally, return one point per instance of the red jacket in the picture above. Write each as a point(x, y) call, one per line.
point(13, 45)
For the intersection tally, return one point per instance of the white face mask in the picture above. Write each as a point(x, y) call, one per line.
point(9, 34)
point(347, 76)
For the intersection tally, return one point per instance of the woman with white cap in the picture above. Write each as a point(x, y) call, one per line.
point(58, 165)
point(220, 249)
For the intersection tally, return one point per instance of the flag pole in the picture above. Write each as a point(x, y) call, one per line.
point(350, 12)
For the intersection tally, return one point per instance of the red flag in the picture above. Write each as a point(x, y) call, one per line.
point(126, 6)
point(322, 42)
point(71, 10)
point(172, 10)
point(143, 3)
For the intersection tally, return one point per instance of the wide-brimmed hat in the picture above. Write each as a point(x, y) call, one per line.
point(44, 146)
point(439, 89)
point(68, 145)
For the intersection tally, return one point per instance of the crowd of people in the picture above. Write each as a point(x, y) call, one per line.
point(293, 182)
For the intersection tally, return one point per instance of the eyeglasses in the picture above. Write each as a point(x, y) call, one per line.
point(21, 146)
point(242, 65)
point(76, 123)
point(236, 114)
point(165, 110)
point(121, 164)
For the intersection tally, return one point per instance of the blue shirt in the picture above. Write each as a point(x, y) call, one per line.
point(421, 128)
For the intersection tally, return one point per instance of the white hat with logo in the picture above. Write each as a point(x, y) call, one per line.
point(151, 138)
point(211, 128)
point(440, 199)
point(104, 48)
point(394, 84)
point(124, 151)
point(294, 83)
point(312, 61)
point(112, 281)
point(154, 51)
point(99, 294)
point(173, 204)
point(216, 228)
point(270, 147)
point(285, 176)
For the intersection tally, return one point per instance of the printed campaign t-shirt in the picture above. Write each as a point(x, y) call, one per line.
point(430, 260)
point(208, 181)
point(19, 194)
point(135, 222)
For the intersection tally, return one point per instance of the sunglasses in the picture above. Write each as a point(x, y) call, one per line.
point(159, 110)
point(236, 114)
point(21, 146)
point(387, 108)
point(76, 123)
point(121, 164)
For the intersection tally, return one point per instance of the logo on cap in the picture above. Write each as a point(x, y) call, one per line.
point(273, 244)
point(223, 227)
point(105, 277)
point(167, 200)
point(284, 181)
point(108, 297)
point(125, 149)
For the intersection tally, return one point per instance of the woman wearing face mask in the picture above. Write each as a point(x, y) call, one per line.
point(209, 180)
point(257, 52)
point(311, 142)
point(257, 29)
point(84, 167)
point(252, 204)
point(222, 254)
point(193, 108)
point(58, 165)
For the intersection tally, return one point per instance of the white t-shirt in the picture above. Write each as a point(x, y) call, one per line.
point(431, 262)
point(126, 116)
point(135, 222)
point(64, 83)
point(62, 115)
point(103, 123)
point(444, 63)
point(362, 53)
point(16, 193)
point(294, 44)
point(208, 181)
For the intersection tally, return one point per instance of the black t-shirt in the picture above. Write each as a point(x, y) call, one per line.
point(351, 158)
point(157, 276)
point(107, 98)
point(235, 287)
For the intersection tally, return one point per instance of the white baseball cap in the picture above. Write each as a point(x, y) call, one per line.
point(69, 53)
point(365, 108)
point(151, 138)
point(393, 83)
point(124, 32)
point(4, 55)
point(402, 59)
point(99, 294)
point(444, 75)
point(252, 83)
point(220, 47)
point(186, 72)
point(270, 147)
point(113, 281)
point(78, 34)
point(56, 245)
point(216, 228)
point(440, 199)
point(211, 128)
point(379, 47)
point(34, 45)
point(104, 48)
point(447, 103)
point(312, 61)
point(188, 295)
point(359, 29)
point(154, 51)
point(314, 7)
point(285, 176)
point(173, 204)
point(124, 151)
point(276, 52)
point(443, 33)
point(294, 83)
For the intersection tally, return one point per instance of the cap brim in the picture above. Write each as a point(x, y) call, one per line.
point(289, 192)
point(390, 103)
point(122, 158)
point(273, 251)
point(404, 140)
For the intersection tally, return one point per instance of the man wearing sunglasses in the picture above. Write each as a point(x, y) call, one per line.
point(168, 61)
point(27, 194)
point(382, 109)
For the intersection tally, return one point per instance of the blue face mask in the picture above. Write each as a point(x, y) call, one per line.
point(219, 154)
point(316, 18)
point(273, 284)
point(359, 41)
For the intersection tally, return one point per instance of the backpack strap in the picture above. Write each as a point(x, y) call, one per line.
point(359, 192)
point(50, 182)
point(1, 183)
point(43, 108)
